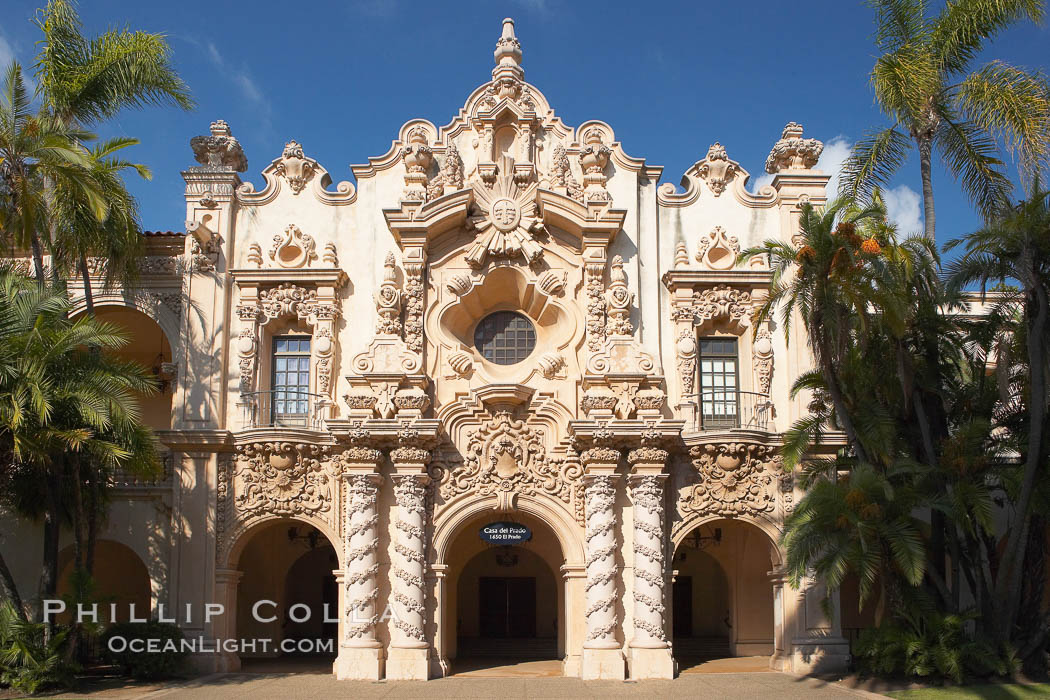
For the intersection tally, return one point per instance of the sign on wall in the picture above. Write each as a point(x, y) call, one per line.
point(505, 533)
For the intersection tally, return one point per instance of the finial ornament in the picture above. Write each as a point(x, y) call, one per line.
point(508, 76)
point(792, 152)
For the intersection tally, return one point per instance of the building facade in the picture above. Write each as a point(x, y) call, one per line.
point(505, 326)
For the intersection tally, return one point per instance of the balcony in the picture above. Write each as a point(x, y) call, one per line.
point(282, 408)
point(734, 410)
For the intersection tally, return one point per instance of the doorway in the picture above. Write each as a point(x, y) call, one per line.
point(507, 607)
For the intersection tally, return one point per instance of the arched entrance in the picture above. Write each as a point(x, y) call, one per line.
point(505, 604)
point(120, 580)
point(288, 594)
point(722, 597)
point(147, 345)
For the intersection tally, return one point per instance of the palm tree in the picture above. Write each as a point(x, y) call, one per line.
point(85, 81)
point(824, 280)
point(35, 150)
point(1016, 246)
point(925, 83)
point(59, 398)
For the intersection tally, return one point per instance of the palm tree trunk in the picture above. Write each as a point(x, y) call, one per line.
point(929, 218)
point(1008, 585)
point(89, 299)
point(10, 588)
point(52, 529)
point(38, 259)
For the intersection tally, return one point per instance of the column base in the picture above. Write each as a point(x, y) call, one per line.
point(572, 666)
point(408, 664)
point(359, 664)
point(819, 656)
point(603, 664)
point(651, 663)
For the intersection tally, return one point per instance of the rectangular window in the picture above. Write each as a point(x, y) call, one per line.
point(719, 390)
point(291, 380)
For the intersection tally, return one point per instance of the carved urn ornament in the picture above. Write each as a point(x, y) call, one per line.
point(219, 149)
point(594, 157)
point(417, 156)
point(792, 152)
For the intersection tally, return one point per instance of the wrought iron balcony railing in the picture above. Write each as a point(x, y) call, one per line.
point(282, 408)
point(729, 409)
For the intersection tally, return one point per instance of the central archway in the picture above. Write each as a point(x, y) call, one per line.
point(723, 609)
point(504, 605)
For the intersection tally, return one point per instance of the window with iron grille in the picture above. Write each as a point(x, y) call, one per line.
point(719, 390)
point(505, 337)
point(291, 379)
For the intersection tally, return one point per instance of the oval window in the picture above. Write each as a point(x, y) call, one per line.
point(505, 337)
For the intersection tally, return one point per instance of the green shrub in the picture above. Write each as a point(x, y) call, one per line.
point(29, 660)
point(146, 665)
point(930, 645)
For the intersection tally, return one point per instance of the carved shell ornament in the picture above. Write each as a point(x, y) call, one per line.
point(293, 248)
point(295, 167)
point(505, 222)
point(717, 170)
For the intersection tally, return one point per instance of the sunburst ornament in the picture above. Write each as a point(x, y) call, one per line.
point(505, 222)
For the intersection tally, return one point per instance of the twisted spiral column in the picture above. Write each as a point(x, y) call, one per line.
point(407, 627)
point(360, 539)
point(601, 562)
point(647, 492)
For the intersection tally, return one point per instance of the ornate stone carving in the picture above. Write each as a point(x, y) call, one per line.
point(647, 492)
point(561, 177)
point(717, 170)
point(718, 250)
point(792, 152)
point(388, 300)
point(219, 150)
point(722, 301)
point(506, 457)
point(282, 478)
point(681, 256)
point(360, 541)
point(450, 178)
point(288, 299)
point(293, 248)
point(550, 363)
point(461, 363)
point(505, 222)
point(329, 257)
point(202, 258)
point(459, 285)
point(601, 562)
point(593, 274)
point(295, 167)
point(618, 300)
point(417, 156)
point(408, 563)
point(762, 359)
point(414, 307)
point(551, 283)
point(255, 255)
point(594, 156)
point(733, 479)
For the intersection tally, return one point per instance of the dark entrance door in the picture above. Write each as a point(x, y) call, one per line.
point(507, 607)
point(682, 595)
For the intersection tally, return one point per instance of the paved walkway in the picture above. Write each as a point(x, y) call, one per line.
point(312, 686)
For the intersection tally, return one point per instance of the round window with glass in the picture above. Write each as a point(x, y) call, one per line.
point(505, 337)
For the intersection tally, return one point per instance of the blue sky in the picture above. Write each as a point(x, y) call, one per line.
point(669, 77)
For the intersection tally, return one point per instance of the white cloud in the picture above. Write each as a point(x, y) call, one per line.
point(8, 54)
point(831, 159)
point(240, 77)
point(902, 208)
